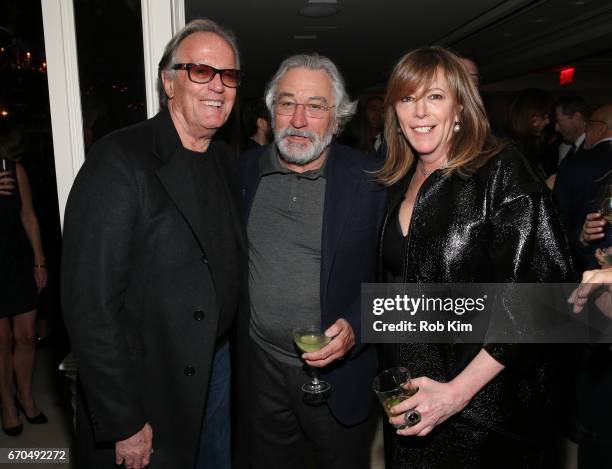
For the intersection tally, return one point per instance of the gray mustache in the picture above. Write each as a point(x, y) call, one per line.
point(296, 133)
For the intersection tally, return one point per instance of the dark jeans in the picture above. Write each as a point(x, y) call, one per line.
point(287, 432)
point(214, 451)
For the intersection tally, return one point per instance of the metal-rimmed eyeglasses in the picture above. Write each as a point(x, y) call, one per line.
point(202, 73)
point(287, 107)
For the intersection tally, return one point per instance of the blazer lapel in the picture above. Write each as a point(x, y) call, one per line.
point(342, 183)
point(249, 175)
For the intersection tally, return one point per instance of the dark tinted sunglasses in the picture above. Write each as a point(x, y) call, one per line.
point(202, 73)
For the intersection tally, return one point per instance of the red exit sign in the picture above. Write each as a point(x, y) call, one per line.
point(566, 76)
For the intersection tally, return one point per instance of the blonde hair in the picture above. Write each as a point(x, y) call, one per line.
point(470, 147)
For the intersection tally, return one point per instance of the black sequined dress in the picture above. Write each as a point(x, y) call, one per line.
point(497, 225)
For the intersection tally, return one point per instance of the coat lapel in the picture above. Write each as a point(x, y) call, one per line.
point(342, 183)
point(178, 182)
point(176, 177)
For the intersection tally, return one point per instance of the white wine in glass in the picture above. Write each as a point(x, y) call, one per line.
point(312, 339)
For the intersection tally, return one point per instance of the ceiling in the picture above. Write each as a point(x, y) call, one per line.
point(365, 38)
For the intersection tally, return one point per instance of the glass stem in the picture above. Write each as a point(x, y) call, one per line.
point(315, 376)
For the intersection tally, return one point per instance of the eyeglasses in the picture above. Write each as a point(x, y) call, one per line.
point(202, 73)
point(286, 107)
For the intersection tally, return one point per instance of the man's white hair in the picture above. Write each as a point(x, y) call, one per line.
point(344, 107)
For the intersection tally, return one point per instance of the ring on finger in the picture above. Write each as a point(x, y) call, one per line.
point(412, 417)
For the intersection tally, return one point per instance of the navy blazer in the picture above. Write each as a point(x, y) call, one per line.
point(353, 213)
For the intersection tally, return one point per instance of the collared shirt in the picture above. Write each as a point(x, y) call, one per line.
point(565, 149)
point(285, 229)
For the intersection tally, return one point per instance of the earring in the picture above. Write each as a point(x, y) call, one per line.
point(457, 127)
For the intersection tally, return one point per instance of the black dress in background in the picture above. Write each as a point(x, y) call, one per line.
point(17, 287)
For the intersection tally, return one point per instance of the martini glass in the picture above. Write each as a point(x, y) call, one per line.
point(312, 339)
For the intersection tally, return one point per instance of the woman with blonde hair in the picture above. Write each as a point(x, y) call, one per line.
point(464, 207)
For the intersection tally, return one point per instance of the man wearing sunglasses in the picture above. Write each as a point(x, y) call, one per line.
point(154, 257)
point(314, 211)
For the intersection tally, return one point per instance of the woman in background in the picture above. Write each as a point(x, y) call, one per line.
point(528, 119)
point(464, 207)
point(23, 274)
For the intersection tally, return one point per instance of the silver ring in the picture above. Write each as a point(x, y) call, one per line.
point(412, 417)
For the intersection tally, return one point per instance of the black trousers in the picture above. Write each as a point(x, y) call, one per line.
point(288, 432)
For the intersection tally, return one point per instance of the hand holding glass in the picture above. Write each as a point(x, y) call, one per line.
point(392, 386)
point(312, 339)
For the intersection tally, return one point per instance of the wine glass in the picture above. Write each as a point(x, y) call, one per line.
point(312, 339)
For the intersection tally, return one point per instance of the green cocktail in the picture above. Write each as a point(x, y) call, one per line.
point(311, 342)
point(392, 401)
point(312, 339)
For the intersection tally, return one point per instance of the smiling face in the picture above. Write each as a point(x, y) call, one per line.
point(427, 116)
point(300, 138)
point(199, 110)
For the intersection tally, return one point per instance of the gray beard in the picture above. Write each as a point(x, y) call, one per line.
point(301, 154)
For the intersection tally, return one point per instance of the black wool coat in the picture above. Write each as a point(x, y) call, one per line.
point(143, 290)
